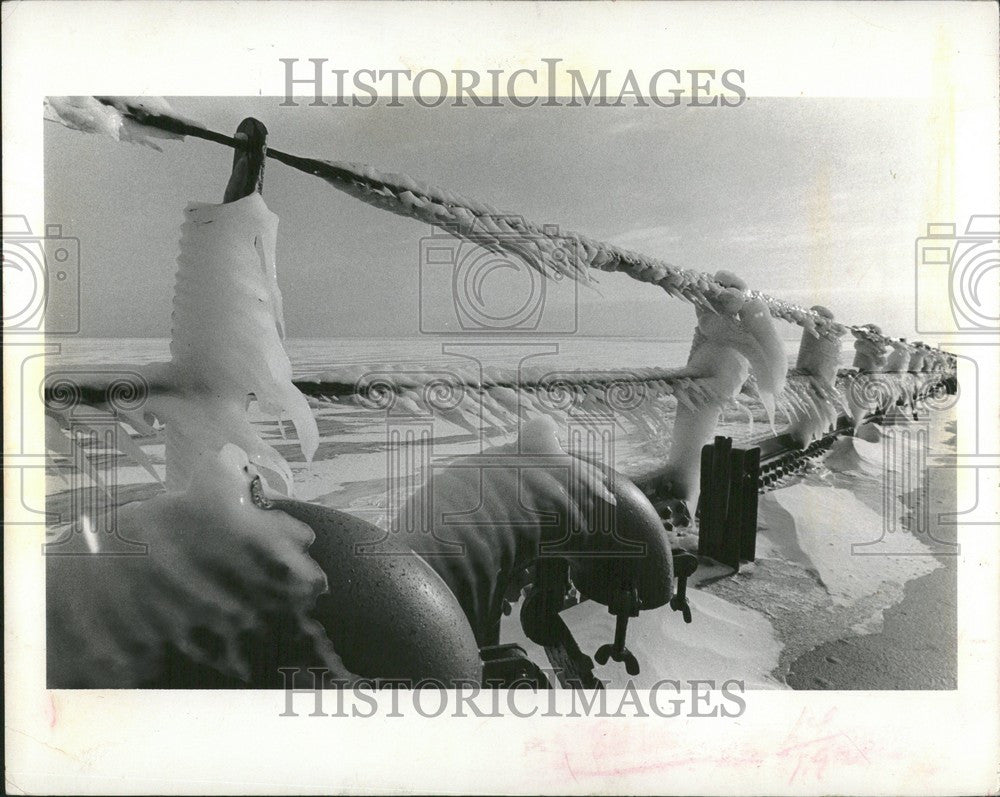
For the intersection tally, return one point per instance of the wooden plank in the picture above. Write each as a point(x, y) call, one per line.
point(714, 498)
point(732, 524)
point(721, 478)
point(703, 512)
point(751, 480)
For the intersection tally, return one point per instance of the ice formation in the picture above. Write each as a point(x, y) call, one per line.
point(222, 584)
point(117, 117)
point(227, 343)
point(521, 475)
point(545, 248)
point(494, 400)
point(869, 389)
point(493, 514)
point(819, 355)
point(869, 349)
point(899, 356)
point(818, 359)
point(733, 337)
point(917, 358)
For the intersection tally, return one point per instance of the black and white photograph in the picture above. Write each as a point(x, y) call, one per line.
point(394, 403)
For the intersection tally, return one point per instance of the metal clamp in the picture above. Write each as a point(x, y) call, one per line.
point(623, 605)
point(684, 566)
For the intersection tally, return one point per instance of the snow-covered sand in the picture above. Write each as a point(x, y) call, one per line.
point(724, 641)
point(826, 530)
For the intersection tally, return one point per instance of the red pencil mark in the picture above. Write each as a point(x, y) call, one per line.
point(569, 766)
point(813, 754)
point(814, 747)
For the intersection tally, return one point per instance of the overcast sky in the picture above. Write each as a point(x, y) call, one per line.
point(816, 201)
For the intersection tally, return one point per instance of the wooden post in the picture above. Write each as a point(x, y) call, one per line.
point(727, 505)
point(248, 160)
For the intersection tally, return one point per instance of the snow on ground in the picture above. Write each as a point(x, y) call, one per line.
point(829, 532)
point(858, 456)
point(723, 642)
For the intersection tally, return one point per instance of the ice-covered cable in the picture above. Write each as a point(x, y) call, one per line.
point(545, 247)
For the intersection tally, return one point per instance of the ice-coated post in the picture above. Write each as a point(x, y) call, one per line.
point(918, 364)
point(819, 357)
point(869, 349)
point(898, 359)
point(868, 391)
point(918, 357)
point(227, 331)
point(721, 370)
point(819, 352)
point(246, 178)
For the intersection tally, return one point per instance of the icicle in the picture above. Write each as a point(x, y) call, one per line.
point(226, 342)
